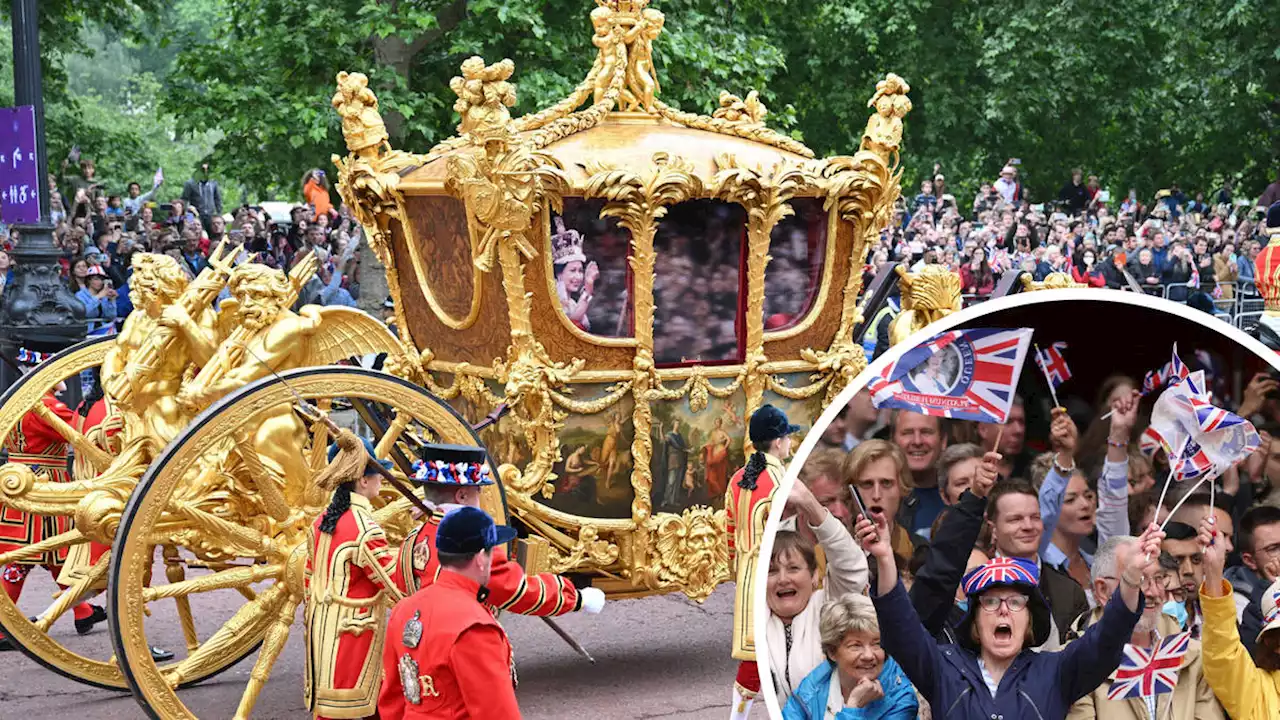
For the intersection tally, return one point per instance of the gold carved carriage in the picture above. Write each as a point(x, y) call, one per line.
point(727, 264)
point(609, 417)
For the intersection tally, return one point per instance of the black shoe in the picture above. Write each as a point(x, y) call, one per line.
point(5, 645)
point(160, 654)
point(84, 626)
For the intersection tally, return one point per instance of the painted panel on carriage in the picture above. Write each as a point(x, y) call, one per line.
point(594, 475)
point(695, 454)
point(799, 412)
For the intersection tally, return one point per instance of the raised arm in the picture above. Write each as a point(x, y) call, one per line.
point(901, 634)
point(1113, 486)
point(1089, 661)
point(846, 563)
point(1063, 436)
point(1227, 665)
point(934, 591)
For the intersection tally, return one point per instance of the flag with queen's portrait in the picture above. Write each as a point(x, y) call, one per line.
point(959, 374)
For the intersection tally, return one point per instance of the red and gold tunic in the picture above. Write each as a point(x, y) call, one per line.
point(510, 588)
point(747, 512)
point(349, 588)
point(457, 657)
point(37, 445)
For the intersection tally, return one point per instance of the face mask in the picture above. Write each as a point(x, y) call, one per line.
point(963, 605)
point(1177, 610)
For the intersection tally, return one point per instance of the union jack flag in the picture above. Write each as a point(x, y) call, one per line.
point(1053, 364)
point(1150, 442)
point(1143, 673)
point(1002, 571)
point(1174, 371)
point(961, 374)
point(1192, 462)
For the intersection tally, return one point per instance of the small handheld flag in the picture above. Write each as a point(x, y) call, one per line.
point(1054, 367)
point(1144, 673)
point(960, 374)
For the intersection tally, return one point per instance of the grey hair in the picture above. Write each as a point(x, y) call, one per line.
point(951, 457)
point(1104, 562)
point(839, 617)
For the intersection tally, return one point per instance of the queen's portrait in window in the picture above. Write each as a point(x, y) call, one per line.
point(575, 277)
point(938, 374)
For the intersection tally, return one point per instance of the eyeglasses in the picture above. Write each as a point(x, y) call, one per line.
point(1015, 603)
point(1158, 579)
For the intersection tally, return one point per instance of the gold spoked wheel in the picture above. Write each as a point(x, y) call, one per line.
point(240, 530)
point(88, 660)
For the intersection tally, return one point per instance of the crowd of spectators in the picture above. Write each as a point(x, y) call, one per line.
point(1194, 247)
point(100, 225)
point(1061, 505)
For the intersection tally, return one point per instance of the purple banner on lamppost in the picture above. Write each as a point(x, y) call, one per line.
point(19, 193)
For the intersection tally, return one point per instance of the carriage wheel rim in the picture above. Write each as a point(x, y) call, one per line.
point(154, 695)
point(30, 640)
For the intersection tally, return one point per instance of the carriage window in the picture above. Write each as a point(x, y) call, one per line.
point(592, 278)
point(697, 286)
point(797, 248)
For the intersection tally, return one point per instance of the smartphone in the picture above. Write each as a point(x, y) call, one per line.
point(857, 500)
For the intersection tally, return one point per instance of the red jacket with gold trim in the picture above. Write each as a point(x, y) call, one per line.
point(37, 445)
point(510, 588)
point(348, 591)
point(461, 664)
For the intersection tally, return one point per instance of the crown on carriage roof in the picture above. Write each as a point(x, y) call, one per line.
point(566, 245)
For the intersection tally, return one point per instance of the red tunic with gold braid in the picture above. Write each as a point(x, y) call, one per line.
point(747, 511)
point(510, 588)
point(36, 444)
point(349, 588)
point(456, 661)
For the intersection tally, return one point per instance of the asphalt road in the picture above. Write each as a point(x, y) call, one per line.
point(659, 657)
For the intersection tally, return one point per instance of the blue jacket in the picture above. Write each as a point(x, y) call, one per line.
point(100, 312)
point(1037, 686)
point(809, 702)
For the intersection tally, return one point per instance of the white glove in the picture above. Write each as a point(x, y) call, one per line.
point(592, 600)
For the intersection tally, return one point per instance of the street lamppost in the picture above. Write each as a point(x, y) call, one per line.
point(38, 310)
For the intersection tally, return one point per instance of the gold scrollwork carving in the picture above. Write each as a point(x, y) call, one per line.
point(588, 551)
point(765, 193)
point(927, 296)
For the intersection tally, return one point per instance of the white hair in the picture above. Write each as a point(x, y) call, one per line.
point(1104, 562)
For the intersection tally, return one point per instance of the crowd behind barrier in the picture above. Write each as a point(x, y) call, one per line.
point(1196, 248)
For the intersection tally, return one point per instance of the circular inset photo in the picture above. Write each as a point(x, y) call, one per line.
point(1051, 504)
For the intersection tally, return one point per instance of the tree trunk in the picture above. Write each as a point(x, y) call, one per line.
point(397, 54)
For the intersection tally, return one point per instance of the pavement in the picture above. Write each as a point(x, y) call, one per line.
point(657, 657)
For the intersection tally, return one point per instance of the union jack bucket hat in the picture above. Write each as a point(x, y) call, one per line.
point(1005, 572)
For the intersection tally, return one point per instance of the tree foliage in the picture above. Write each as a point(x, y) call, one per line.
point(1142, 93)
point(104, 72)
